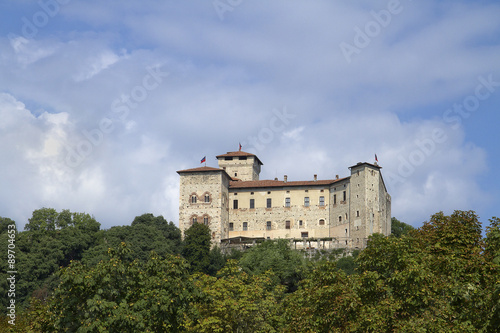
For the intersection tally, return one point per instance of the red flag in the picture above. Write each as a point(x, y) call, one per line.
point(376, 159)
point(204, 159)
point(240, 147)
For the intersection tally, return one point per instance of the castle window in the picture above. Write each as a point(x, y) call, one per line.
point(340, 219)
point(268, 225)
point(304, 234)
point(205, 220)
point(207, 198)
point(193, 199)
point(227, 158)
point(357, 213)
point(300, 223)
point(231, 226)
point(252, 203)
point(307, 191)
point(195, 220)
point(251, 193)
point(334, 199)
point(242, 158)
point(245, 226)
point(346, 216)
point(322, 201)
point(235, 204)
point(306, 201)
point(345, 195)
point(287, 224)
point(269, 203)
point(321, 222)
point(287, 202)
point(236, 174)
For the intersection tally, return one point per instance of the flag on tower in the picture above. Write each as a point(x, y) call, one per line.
point(240, 146)
point(376, 159)
point(204, 159)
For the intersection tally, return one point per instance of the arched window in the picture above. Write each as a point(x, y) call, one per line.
point(207, 197)
point(193, 198)
point(321, 222)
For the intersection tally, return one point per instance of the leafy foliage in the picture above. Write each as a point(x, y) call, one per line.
point(52, 240)
point(145, 234)
point(118, 296)
point(399, 228)
point(287, 265)
point(237, 302)
point(442, 277)
point(196, 248)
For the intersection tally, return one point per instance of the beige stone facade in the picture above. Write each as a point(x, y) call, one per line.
point(235, 204)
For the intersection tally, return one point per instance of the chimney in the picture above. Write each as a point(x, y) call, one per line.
point(276, 178)
point(286, 178)
point(315, 177)
point(336, 176)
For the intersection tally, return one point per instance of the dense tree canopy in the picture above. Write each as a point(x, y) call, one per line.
point(441, 277)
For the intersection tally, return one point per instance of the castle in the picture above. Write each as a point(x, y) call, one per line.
point(238, 207)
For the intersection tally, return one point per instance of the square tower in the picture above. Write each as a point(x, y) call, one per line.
point(204, 199)
point(240, 165)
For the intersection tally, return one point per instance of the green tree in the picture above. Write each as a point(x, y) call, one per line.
point(287, 264)
point(235, 301)
point(438, 278)
point(325, 302)
point(120, 296)
point(196, 247)
point(399, 228)
point(146, 233)
point(51, 240)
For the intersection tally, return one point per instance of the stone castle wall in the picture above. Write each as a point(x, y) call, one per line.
point(346, 210)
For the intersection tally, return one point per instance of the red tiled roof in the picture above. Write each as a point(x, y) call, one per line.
point(200, 169)
point(239, 153)
point(280, 183)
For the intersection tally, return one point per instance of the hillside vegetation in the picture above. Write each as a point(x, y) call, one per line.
point(71, 276)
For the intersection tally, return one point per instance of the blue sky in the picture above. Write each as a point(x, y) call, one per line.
point(102, 101)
